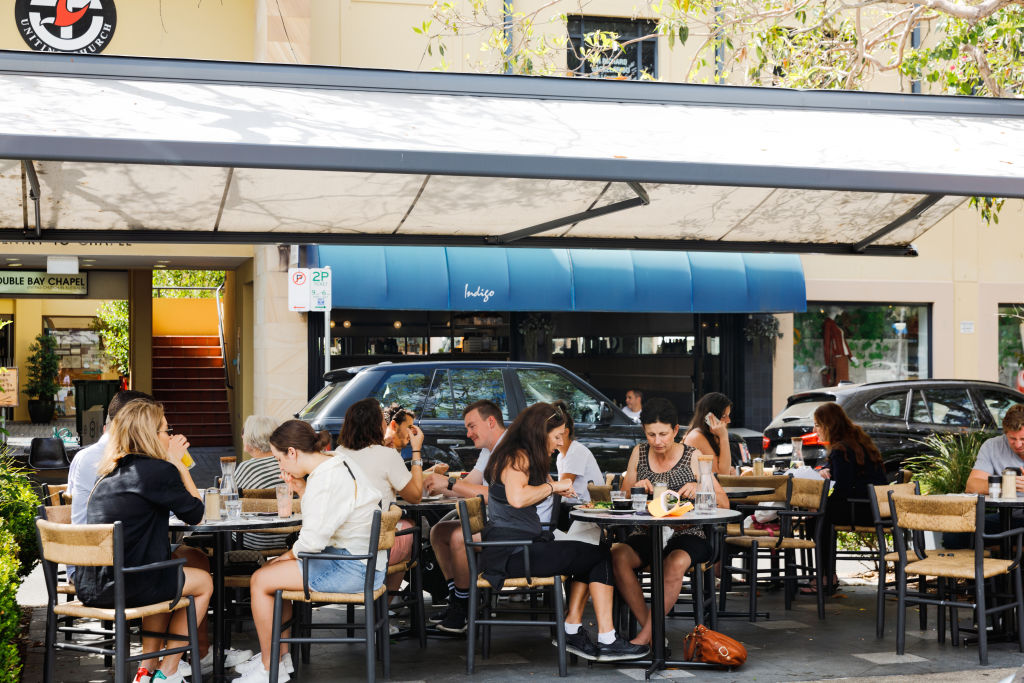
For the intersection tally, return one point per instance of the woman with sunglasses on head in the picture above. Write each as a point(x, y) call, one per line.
point(661, 458)
point(709, 430)
point(141, 481)
point(518, 471)
point(362, 439)
point(338, 503)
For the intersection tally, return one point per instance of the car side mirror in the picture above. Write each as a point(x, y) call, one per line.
point(604, 414)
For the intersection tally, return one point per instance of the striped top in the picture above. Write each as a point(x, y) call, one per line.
point(260, 473)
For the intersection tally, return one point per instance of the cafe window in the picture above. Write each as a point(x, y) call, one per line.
point(1011, 345)
point(80, 355)
point(866, 343)
point(631, 62)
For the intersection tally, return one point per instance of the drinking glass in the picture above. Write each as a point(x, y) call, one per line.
point(233, 508)
point(660, 485)
point(284, 501)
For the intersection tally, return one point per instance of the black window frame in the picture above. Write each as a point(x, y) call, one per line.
point(589, 24)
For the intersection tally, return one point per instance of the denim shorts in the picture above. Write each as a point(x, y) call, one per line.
point(340, 576)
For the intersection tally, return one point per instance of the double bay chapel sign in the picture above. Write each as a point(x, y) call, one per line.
point(85, 26)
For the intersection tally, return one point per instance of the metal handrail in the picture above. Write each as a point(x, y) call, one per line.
point(220, 323)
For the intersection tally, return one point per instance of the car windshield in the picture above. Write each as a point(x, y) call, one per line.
point(323, 397)
point(803, 410)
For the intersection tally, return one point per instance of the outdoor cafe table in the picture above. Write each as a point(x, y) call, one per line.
point(611, 519)
point(220, 529)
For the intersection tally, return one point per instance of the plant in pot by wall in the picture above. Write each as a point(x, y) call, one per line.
point(43, 365)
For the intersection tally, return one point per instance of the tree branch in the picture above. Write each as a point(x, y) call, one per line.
point(984, 69)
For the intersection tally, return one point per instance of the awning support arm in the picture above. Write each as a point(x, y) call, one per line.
point(33, 192)
point(641, 199)
point(913, 214)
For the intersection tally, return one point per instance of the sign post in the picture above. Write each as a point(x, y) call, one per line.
point(309, 289)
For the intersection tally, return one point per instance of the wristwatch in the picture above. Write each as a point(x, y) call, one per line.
point(416, 463)
point(451, 482)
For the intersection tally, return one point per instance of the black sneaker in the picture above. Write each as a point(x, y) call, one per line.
point(579, 644)
point(455, 618)
point(438, 617)
point(620, 649)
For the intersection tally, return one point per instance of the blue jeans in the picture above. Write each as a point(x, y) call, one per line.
point(340, 576)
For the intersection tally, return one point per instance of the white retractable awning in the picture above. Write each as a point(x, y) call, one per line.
point(128, 148)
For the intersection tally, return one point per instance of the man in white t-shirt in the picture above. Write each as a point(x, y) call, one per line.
point(634, 404)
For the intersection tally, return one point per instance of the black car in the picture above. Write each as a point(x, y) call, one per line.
point(897, 415)
point(438, 391)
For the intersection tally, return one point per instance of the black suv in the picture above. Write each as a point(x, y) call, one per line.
point(897, 415)
point(438, 391)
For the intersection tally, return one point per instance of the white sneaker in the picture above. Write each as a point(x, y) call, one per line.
point(261, 675)
point(232, 658)
point(255, 663)
point(176, 677)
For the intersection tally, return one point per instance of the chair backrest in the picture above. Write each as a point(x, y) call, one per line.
point(476, 509)
point(600, 493)
point(388, 524)
point(258, 493)
point(60, 514)
point(53, 494)
point(807, 493)
point(265, 505)
point(936, 513)
point(879, 496)
point(84, 545)
point(47, 453)
point(765, 481)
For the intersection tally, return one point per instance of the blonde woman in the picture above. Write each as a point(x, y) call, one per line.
point(142, 480)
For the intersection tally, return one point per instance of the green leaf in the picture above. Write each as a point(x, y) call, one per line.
point(684, 33)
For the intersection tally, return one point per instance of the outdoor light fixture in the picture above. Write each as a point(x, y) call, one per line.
point(346, 324)
point(62, 265)
point(398, 324)
point(332, 324)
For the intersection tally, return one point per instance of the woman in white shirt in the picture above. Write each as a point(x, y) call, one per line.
point(574, 461)
point(361, 439)
point(338, 502)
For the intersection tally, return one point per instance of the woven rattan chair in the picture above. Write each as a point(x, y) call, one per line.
point(102, 545)
point(600, 493)
point(748, 504)
point(806, 501)
point(374, 601)
point(55, 494)
point(953, 514)
point(473, 515)
point(258, 493)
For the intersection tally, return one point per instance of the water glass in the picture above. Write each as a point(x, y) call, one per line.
point(233, 508)
point(284, 500)
point(639, 497)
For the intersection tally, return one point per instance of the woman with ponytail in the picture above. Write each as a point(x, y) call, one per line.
point(338, 502)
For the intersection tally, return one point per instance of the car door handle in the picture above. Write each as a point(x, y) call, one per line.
point(451, 442)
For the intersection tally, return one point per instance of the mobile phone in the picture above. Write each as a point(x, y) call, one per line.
point(707, 419)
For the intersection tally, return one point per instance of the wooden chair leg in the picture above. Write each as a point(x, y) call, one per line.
point(370, 617)
point(940, 590)
point(49, 658)
point(385, 636)
point(880, 601)
point(471, 612)
point(121, 646)
point(922, 610)
point(901, 613)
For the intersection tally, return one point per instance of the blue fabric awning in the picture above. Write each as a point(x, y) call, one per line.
point(496, 279)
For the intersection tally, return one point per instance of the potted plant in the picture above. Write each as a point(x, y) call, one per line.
point(946, 466)
point(43, 365)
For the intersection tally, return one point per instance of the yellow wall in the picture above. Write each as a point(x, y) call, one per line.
point(184, 317)
point(225, 29)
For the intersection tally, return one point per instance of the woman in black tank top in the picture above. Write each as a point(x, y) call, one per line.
point(662, 458)
point(519, 472)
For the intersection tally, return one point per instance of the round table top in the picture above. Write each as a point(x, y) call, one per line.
point(1017, 502)
point(248, 522)
point(609, 518)
point(744, 491)
point(442, 503)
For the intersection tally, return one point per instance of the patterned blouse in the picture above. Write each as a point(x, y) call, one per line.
point(680, 474)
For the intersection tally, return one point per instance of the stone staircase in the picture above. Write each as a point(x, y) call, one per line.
point(188, 378)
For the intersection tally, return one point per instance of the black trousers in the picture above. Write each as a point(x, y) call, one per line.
point(583, 562)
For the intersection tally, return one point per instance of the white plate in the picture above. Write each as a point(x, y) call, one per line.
point(602, 511)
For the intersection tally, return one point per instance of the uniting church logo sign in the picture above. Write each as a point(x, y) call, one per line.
point(83, 26)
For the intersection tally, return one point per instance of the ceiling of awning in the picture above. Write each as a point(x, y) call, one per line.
point(196, 151)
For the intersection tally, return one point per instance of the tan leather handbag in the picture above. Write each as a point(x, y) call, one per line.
point(704, 645)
